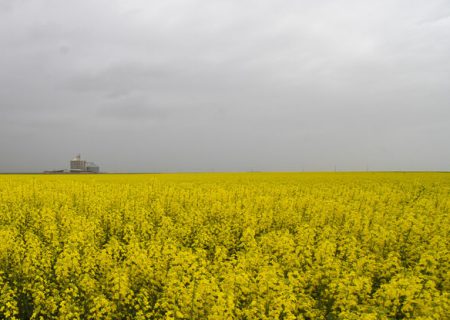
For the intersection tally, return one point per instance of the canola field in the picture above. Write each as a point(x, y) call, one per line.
point(225, 246)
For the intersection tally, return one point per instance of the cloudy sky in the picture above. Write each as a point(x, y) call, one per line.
point(227, 85)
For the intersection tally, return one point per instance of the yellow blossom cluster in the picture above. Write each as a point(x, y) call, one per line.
point(225, 246)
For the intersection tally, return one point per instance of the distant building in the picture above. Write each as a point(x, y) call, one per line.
point(56, 171)
point(79, 165)
point(92, 167)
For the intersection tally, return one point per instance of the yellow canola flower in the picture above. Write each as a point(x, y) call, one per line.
point(225, 246)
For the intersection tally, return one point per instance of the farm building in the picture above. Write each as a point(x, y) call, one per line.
point(82, 166)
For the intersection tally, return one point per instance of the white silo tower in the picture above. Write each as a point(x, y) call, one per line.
point(77, 165)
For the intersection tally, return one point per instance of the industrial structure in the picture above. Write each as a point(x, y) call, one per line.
point(77, 165)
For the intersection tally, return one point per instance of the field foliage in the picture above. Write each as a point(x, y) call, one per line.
point(225, 246)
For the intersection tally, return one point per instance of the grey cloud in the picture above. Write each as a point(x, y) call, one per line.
point(225, 85)
point(118, 80)
point(137, 109)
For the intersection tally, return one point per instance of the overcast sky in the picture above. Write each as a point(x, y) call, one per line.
point(225, 85)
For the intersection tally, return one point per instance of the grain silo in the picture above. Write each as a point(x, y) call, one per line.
point(77, 165)
point(92, 167)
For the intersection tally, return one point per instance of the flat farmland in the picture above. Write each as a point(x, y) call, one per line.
point(225, 246)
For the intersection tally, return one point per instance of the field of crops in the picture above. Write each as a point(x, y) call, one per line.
point(225, 246)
